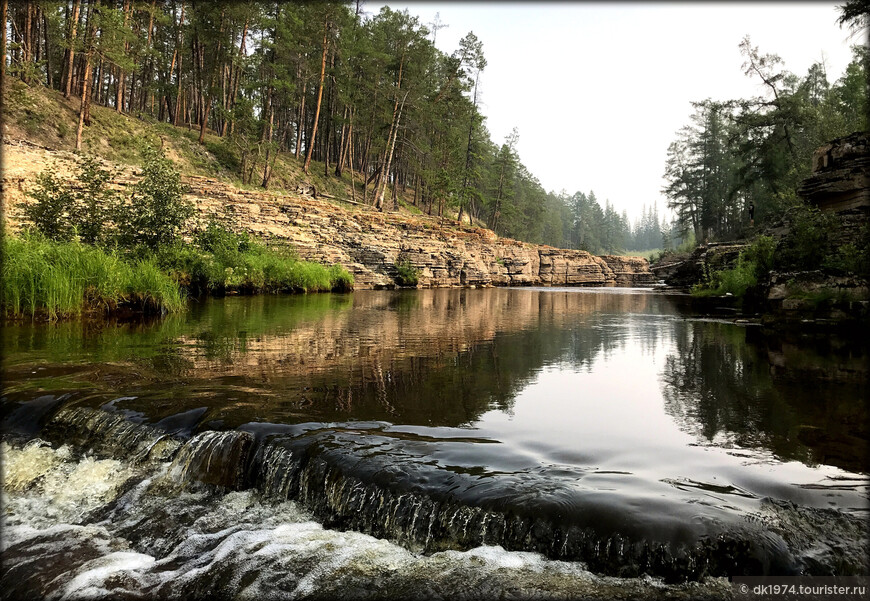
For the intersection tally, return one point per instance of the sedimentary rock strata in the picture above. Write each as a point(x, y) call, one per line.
point(367, 242)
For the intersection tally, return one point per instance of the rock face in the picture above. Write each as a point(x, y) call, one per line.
point(368, 243)
point(808, 296)
point(840, 174)
point(705, 259)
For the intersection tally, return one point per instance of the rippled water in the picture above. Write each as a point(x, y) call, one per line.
point(429, 444)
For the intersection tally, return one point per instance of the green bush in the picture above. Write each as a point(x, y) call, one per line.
point(761, 255)
point(215, 238)
point(53, 206)
point(853, 257)
point(95, 201)
point(61, 210)
point(407, 274)
point(157, 210)
point(807, 244)
point(221, 260)
point(753, 266)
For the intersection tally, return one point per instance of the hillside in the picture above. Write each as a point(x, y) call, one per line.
point(371, 244)
point(42, 116)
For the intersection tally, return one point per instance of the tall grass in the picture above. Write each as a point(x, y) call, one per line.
point(230, 262)
point(63, 279)
point(69, 278)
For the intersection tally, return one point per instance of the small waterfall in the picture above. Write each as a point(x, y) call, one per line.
point(366, 492)
point(111, 434)
point(424, 523)
point(213, 458)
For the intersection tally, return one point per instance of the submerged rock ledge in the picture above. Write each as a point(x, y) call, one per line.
point(367, 243)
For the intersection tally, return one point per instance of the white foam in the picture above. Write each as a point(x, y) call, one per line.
point(90, 581)
point(276, 549)
point(23, 467)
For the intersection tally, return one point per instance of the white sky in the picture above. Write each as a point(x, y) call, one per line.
point(598, 90)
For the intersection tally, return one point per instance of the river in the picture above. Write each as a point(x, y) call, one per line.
point(515, 443)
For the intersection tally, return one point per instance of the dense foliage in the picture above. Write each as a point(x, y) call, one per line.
point(364, 98)
point(368, 99)
point(745, 158)
point(87, 247)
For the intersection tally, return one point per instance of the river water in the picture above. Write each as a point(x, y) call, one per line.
point(511, 443)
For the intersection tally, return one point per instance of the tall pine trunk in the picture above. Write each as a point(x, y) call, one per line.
point(84, 111)
point(310, 149)
point(119, 96)
point(4, 9)
point(74, 19)
point(235, 76)
point(380, 187)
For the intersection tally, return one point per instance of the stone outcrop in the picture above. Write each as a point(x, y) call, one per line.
point(366, 242)
point(630, 271)
point(814, 296)
point(840, 180)
point(705, 259)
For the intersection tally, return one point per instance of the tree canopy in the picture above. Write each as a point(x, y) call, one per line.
point(370, 94)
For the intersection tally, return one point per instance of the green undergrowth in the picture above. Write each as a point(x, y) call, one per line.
point(67, 279)
point(221, 261)
point(753, 265)
point(406, 273)
point(62, 279)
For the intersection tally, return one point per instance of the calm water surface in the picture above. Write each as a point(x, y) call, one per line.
point(541, 441)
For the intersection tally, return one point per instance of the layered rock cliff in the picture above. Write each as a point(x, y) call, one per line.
point(840, 180)
point(368, 243)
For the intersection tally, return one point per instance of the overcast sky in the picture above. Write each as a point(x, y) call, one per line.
point(598, 90)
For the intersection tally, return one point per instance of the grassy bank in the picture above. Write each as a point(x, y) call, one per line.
point(63, 279)
point(220, 261)
point(67, 279)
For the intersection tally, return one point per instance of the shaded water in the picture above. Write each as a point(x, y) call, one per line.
point(533, 442)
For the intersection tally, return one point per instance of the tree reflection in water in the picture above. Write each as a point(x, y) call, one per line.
point(729, 385)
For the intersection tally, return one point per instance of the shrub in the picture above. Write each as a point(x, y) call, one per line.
point(807, 244)
point(95, 201)
point(761, 255)
point(753, 266)
point(61, 210)
point(157, 210)
point(853, 257)
point(215, 238)
point(407, 274)
point(54, 203)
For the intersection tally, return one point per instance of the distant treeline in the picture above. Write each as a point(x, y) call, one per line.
point(344, 91)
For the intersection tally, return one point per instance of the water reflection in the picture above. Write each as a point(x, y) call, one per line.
point(459, 358)
point(732, 386)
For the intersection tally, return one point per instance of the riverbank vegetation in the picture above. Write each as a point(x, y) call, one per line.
point(752, 267)
point(810, 244)
point(90, 248)
point(740, 160)
point(63, 279)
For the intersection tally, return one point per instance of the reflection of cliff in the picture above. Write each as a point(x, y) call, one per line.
point(439, 357)
point(382, 327)
point(719, 384)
